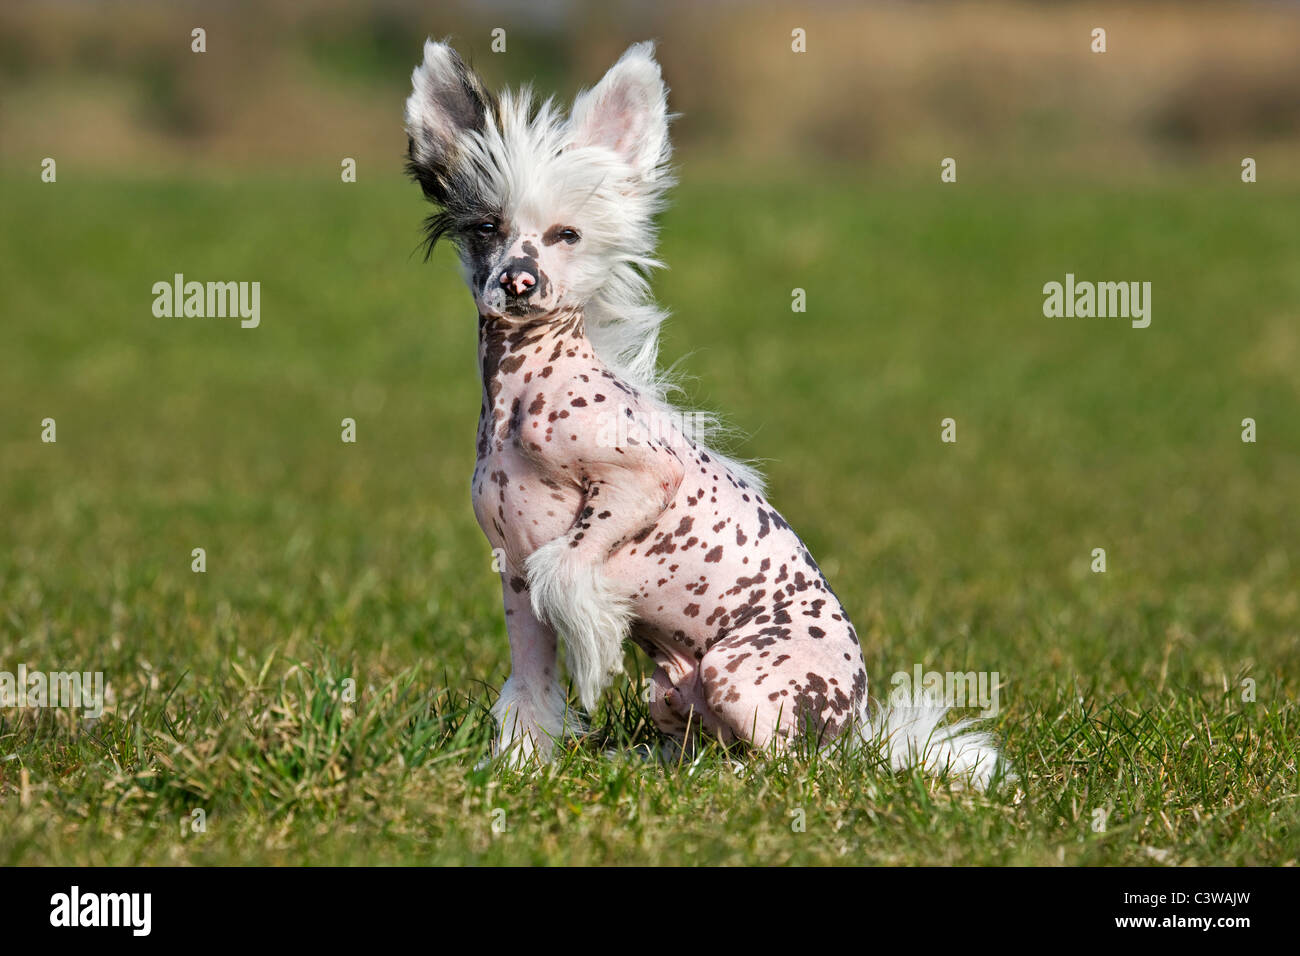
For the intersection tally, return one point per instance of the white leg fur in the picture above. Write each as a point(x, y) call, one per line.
point(530, 723)
point(574, 597)
point(908, 734)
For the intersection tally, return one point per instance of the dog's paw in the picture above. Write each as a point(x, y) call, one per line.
point(530, 723)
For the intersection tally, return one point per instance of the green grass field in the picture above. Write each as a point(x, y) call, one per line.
point(1121, 692)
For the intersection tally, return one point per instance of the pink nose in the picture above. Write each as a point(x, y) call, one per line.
point(520, 284)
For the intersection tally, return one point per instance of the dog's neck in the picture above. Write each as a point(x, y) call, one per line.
point(505, 345)
point(518, 351)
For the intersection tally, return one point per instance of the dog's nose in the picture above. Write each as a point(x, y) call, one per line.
point(519, 277)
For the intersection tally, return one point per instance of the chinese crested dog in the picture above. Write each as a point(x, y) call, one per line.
point(615, 522)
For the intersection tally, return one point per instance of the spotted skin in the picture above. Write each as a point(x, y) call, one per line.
point(750, 642)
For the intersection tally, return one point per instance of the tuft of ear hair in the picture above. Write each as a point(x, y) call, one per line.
point(627, 113)
point(447, 100)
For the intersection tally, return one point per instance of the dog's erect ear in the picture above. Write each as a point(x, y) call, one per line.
point(627, 112)
point(447, 100)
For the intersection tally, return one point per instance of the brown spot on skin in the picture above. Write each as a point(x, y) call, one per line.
point(663, 545)
point(539, 402)
point(511, 365)
point(517, 584)
point(714, 556)
point(736, 661)
point(691, 610)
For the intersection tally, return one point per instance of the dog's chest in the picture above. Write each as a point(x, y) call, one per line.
point(539, 395)
point(518, 505)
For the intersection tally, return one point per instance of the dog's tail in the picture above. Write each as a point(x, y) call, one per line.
point(909, 732)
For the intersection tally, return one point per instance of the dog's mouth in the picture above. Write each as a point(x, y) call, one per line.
point(511, 306)
point(519, 310)
point(497, 302)
point(522, 308)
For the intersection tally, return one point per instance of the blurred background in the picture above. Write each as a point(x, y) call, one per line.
point(816, 170)
point(287, 82)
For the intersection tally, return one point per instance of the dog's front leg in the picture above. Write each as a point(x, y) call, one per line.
point(531, 712)
point(570, 588)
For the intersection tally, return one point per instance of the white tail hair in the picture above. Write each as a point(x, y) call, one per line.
point(910, 733)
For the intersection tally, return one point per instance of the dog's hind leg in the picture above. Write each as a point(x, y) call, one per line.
point(766, 692)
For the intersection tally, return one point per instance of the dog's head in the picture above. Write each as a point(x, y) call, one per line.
point(548, 212)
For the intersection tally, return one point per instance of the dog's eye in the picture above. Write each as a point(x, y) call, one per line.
point(568, 235)
point(485, 228)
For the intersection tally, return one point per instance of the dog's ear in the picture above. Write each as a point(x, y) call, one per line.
point(447, 100)
point(627, 112)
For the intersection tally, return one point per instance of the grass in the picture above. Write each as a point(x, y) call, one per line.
point(328, 562)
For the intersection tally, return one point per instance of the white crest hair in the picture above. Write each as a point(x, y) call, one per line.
point(609, 159)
